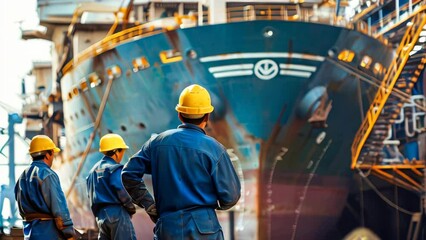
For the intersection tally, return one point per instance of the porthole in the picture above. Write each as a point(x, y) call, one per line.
point(94, 80)
point(346, 55)
point(75, 91)
point(140, 64)
point(378, 69)
point(114, 72)
point(170, 56)
point(366, 62)
point(191, 54)
point(268, 32)
point(83, 85)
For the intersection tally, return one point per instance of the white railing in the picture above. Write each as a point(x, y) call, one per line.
point(394, 18)
point(235, 14)
point(293, 12)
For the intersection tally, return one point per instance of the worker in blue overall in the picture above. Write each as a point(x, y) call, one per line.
point(192, 174)
point(41, 201)
point(109, 201)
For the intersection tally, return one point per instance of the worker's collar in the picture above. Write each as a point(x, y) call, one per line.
point(191, 126)
point(39, 162)
point(108, 159)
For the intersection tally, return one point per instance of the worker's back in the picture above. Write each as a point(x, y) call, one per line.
point(184, 170)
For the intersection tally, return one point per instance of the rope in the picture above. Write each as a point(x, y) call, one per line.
point(386, 200)
point(375, 82)
point(360, 103)
point(92, 135)
point(396, 211)
point(362, 204)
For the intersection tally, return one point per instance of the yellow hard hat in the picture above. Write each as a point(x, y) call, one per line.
point(112, 141)
point(194, 100)
point(41, 143)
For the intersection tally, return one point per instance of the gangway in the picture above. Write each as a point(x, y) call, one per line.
point(394, 91)
point(374, 150)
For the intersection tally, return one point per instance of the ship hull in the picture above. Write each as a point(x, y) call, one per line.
point(286, 109)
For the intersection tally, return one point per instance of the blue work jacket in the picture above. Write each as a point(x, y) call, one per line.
point(38, 192)
point(105, 188)
point(189, 170)
point(110, 202)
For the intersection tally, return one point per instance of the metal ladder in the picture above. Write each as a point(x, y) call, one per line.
point(385, 108)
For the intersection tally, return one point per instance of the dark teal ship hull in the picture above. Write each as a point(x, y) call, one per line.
point(286, 106)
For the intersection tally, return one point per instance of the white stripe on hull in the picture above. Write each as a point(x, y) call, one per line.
point(298, 67)
point(262, 55)
point(230, 67)
point(233, 74)
point(295, 73)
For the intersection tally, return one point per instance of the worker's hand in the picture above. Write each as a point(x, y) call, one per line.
point(131, 210)
point(70, 233)
point(154, 218)
point(152, 212)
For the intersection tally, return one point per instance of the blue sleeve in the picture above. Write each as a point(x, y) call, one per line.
point(132, 176)
point(117, 185)
point(227, 184)
point(55, 200)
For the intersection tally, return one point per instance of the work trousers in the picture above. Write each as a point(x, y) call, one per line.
point(114, 223)
point(200, 223)
point(41, 230)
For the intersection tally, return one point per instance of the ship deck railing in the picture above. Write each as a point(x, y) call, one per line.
point(391, 20)
point(287, 12)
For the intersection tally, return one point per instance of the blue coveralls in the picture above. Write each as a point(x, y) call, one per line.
point(110, 203)
point(40, 197)
point(192, 176)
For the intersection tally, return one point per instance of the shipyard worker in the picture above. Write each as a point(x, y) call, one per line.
point(192, 174)
point(41, 201)
point(109, 201)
